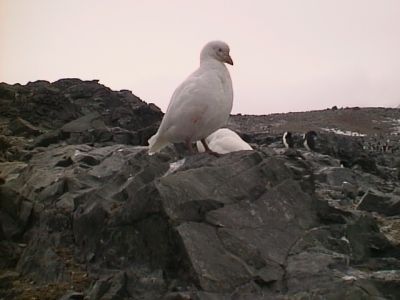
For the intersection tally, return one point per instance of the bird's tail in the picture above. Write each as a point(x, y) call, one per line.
point(156, 143)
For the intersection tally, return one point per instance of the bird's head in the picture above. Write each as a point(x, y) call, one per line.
point(311, 135)
point(217, 50)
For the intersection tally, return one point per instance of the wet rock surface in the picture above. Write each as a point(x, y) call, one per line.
point(86, 213)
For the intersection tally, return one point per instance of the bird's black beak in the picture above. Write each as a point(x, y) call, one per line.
point(228, 60)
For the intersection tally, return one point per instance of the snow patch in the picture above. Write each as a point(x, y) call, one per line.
point(395, 126)
point(347, 132)
point(173, 167)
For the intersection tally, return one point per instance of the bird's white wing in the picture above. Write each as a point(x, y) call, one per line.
point(229, 144)
point(194, 98)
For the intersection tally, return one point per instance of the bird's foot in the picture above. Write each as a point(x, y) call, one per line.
point(208, 150)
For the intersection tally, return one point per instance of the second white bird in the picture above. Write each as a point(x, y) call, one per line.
point(224, 141)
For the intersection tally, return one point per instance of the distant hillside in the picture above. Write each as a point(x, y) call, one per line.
point(350, 121)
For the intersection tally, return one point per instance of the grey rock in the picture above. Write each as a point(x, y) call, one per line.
point(11, 170)
point(50, 106)
point(22, 127)
point(88, 227)
point(145, 284)
point(10, 253)
point(335, 176)
point(375, 201)
point(71, 295)
point(261, 223)
point(396, 191)
point(47, 138)
point(41, 264)
point(15, 212)
point(232, 182)
point(387, 282)
point(86, 129)
point(7, 278)
point(178, 296)
point(214, 268)
point(111, 287)
point(365, 239)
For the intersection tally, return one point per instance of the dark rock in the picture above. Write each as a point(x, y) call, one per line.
point(123, 136)
point(331, 215)
point(145, 284)
point(4, 143)
point(22, 127)
point(6, 91)
point(310, 263)
point(41, 264)
point(261, 223)
point(365, 239)
point(231, 182)
point(88, 122)
point(41, 260)
point(15, 212)
point(88, 227)
point(178, 296)
point(10, 253)
point(47, 138)
point(335, 176)
point(246, 216)
point(7, 278)
point(73, 296)
point(88, 106)
point(214, 268)
point(375, 201)
point(66, 162)
point(349, 150)
point(387, 282)
point(88, 160)
point(87, 129)
point(260, 138)
point(112, 287)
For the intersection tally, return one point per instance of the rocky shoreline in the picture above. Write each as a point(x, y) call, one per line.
point(87, 214)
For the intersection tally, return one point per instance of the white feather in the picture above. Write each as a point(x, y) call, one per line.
point(306, 145)
point(284, 140)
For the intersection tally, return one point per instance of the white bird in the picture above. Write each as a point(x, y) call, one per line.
point(201, 104)
point(224, 141)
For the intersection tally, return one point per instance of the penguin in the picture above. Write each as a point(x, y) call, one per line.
point(309, 140)
point(288, 139)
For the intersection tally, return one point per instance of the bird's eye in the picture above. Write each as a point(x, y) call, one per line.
point(219, 50)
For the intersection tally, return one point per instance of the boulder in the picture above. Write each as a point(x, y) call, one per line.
point(375, 201)
point(22, 127)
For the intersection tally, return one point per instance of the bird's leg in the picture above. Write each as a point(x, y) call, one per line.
point(208, 150)
point(189, 145)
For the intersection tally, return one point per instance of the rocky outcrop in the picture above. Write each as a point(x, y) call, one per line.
point(42, 113)
point(383, 203)
point(90, 215)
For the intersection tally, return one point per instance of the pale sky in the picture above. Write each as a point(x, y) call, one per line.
point(290, 55)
